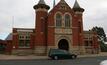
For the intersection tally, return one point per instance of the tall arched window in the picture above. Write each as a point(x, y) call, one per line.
point(67, 20)
point(58, 20)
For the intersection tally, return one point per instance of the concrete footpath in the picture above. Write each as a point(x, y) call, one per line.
point(94, 55)
point(15, 57)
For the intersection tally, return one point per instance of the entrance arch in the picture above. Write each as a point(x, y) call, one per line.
point(63, 44)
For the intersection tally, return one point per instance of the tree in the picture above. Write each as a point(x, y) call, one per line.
point(101, 36)
point(100, 32)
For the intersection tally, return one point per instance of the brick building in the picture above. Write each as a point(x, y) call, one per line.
point(61, 27)
point(5, 48)
point(91, 42)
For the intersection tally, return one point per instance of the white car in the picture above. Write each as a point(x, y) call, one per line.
point(103, 62)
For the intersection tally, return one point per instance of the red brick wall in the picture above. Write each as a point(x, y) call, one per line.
point(95, 41)
point(32, 41)
point(15, 38)
point(40, 38)
point(9, 47)
point(76, 27)
point(50, 30)
point(77, 30)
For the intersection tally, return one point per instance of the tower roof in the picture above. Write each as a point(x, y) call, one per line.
point(77, 7)
point(41, 4)
point(9, 37)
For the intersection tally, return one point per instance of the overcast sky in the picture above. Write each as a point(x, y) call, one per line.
point(20, 14)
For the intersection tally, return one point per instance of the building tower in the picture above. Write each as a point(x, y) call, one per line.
point(41, 11)
point(79, 24)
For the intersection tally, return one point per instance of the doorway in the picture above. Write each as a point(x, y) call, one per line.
point(63, 44)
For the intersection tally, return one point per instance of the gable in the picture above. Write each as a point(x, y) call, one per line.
point(62, 6)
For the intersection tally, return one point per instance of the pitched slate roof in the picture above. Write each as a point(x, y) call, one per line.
point(77, 7)
point(9, 37)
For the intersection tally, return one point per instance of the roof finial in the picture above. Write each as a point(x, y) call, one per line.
point(76, 5)
point(41, 2)
point(62, 0)
point(53, 3)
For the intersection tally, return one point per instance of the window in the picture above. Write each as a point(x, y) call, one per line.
point(21, 43)
point(27, 43)
point(28, 37)
point(21, 37)
point(67, 20)
point(86, 43)
point(58, 20)
point(24, 40)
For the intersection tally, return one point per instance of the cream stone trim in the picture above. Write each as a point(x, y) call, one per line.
point(63, 30)
point(75, 27)
point(78, 50)
point(14, 33)
point(40, 49)
point(78, 12)
point(51, 26)
point(41, 9)
point(63, 33)
point(59, 37)
point(22, 51)
point(22, 30)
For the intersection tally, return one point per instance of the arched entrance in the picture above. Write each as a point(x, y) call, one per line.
point(63, 44)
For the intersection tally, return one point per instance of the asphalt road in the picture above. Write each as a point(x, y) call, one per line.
point(78, 61)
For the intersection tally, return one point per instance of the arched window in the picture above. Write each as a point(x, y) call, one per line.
point(67, 20)
point(58, 20)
